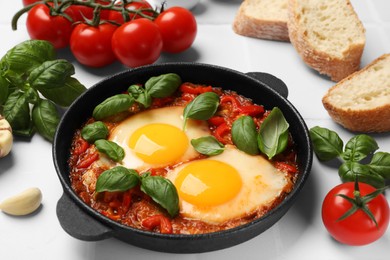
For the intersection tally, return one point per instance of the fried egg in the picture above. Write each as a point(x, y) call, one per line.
point(155, 138)
point(226, 186)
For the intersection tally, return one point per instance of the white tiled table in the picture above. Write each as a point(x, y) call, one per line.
point(298, 235)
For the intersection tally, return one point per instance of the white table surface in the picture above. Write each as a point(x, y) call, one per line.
point(298, 235)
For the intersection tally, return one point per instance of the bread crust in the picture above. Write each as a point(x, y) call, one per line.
point(259, 28)
point(334, 67)
point(364, 120)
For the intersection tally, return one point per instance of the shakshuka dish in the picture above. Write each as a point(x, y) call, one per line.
point(182, 158)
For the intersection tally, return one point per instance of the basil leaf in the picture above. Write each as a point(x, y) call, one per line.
point(32, 96)
point(145, 99)
point(111, 149)
point(94, 131)
point(112, 106)
point(327, 144)
point(244, 135)
point(202, 107)
point(26, 56)
point(163, 86)
point(17, 111)
point(208, 145)
point(162, 191)
point(135, 91)
point(349, 171)
point(46, 118)
point(118, 178)
point(4, 90)
point(380, 164)
point(359, 147)
point(53, 80)
point(273, 135)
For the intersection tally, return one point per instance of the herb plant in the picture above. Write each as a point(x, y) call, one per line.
point(328, 146)
point(32, 84)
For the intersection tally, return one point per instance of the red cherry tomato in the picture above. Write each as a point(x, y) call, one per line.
point(178, 29)
point(29, 2)
point(117, 17)
point(137, 43)
point(357, 229)
point(91, 45)
point(42, 26)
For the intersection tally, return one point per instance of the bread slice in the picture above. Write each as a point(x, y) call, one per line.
point(361, 102)
point(264, 19)
point(328, 35)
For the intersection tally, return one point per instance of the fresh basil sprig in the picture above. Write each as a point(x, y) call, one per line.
point(94, 131)
point(113, 105)
point(156, 87)
point(162, 191)
point(328, 146)
point(118, 178)
point(111, 149)
point(273, 134)
point(202, 107)
point(28, 71)
point(208, 145)
point(244, 135)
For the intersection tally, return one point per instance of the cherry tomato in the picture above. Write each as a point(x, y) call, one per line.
point(137, 43)
point(42, 26)
point(91, 45)
point(178, 29)
point(29, 2)
point(357, 229)
point(117, 17)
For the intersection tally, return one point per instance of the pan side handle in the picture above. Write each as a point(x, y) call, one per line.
point(78, 223)
point(273, 82)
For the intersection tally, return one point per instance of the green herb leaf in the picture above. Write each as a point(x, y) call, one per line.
point(202, 107)
point(53, 80)
point(46, 118)
point(349, 171)
point(162, 191)
point(4, 89)
point(163, 86)
point(135, 91)
point(273, 135)
point(111, 149)
point(94, 131)
point(244, 135)
point(17, 111)
point(380, 164)
point(327, 144)
point(118, 178)
point(112, 106)
point(359, 147)
point(208, 145)
point(32, 96)
point(26, 56)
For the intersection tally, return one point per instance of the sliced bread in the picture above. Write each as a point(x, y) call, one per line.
point(264, 19)
point(361, 102)
point(328, 35)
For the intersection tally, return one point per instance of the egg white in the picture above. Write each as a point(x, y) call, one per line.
point(262, 184)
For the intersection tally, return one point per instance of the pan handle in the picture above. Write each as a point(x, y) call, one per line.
point(78, 223)
point(273, 82)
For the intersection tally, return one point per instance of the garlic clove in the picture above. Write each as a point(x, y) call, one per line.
point(6, 138)
point(23, 203)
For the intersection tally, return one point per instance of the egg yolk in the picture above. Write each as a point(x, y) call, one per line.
point(158, 143)
point(207, 183)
